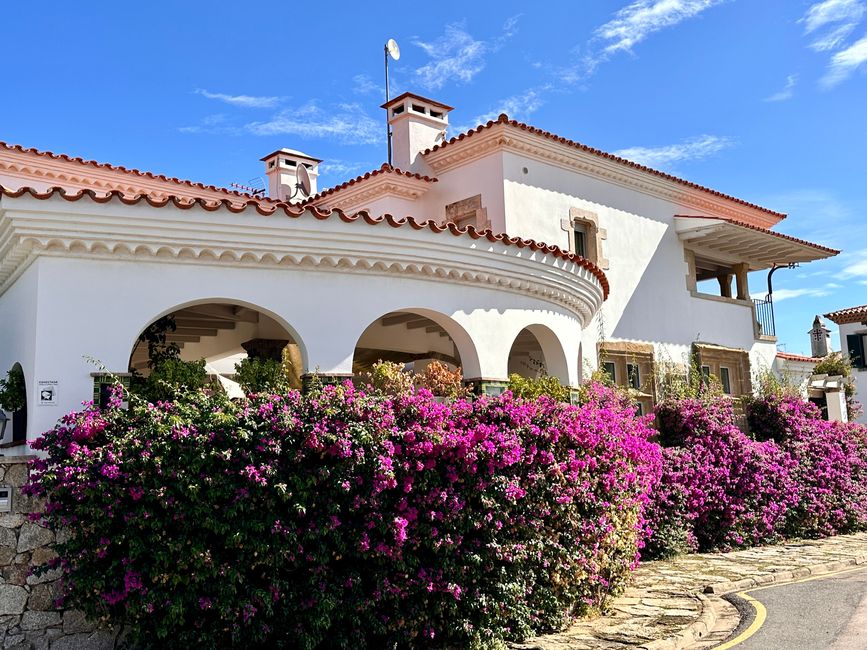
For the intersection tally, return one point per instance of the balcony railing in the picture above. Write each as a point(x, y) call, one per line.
point(765, 315)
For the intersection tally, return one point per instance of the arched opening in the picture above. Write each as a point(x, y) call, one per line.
point(414, 339)
point(537, 352)
point(13, 399)
point(223, 335)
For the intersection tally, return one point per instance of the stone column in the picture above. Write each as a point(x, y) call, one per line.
point(741, 271)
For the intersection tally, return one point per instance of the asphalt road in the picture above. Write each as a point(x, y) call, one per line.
point(825, 613)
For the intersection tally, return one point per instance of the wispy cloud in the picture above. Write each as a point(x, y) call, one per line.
point(212, 124)
point(787, 92)
point(457, 55)
point(364, 85)
point(341, 168)
point(856, 266)
point(519, 106)
point(843, 15)
point(788, 294)
point(347, 124)
point(634, 23)
point(845, 62)
point(244, 101)
point(665, 156)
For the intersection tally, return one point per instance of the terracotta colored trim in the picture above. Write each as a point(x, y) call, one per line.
point(848, 315)
point(119, 168)
point(743, 224)
point(504, 119)
point(385, 169)
point(400, 98)
point(797, 357)
point(295, 211)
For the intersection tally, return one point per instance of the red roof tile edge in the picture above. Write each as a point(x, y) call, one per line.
point(833, 251)
point(385, 169)
point(504, 119)
point(848, 315)
point(120, 168)
point(267, 209)
point(797, 357)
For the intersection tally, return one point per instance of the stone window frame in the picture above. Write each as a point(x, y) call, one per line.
point(594, 234)
point(623, 354)
point(737, 361)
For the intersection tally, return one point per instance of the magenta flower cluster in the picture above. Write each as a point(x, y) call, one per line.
point(794, 475)
point(342, 519)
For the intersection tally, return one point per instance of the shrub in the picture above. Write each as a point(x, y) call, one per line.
point(525, 388)
point(345, 520)
point(168, 377)
point(728, 490)
point(442, 382)
point(389, 378)
point(262, 375)
point(13, 394)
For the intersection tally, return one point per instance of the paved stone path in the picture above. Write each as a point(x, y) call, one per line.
point(665, 601)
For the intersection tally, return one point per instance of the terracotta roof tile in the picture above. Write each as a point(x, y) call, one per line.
point(119, 168)
point(832, 251)
point(797, 357)
point(504, 119)
point(848, 315)
point(385, 169)
point(295, 211)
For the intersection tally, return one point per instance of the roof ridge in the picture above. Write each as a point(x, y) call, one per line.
point(504, 119)
point(385, 168)
point(296, 210)
point(102, 165)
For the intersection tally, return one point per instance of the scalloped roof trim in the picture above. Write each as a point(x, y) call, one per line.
point(295, 211)
point(504, 119)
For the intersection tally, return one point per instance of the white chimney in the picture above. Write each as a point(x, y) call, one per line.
point(281, 168)
point(417, 124)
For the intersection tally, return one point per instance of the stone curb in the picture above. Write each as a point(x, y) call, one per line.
point(693, 632)
point(780, 577)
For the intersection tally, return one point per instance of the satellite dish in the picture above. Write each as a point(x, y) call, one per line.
point(393, 49)
point(303, 180)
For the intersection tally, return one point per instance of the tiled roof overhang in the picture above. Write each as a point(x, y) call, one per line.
point(729, 241)
point(133, 173)
point(419, 182)
point(400, 98)
point(848, 315)
point(503, 122)
point(295, 211)
point(797, 357)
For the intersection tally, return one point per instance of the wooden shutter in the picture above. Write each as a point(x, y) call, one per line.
point(855, 346)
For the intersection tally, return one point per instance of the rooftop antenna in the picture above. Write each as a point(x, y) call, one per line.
point(248, 189)
point(391, 50)
point(302, 183)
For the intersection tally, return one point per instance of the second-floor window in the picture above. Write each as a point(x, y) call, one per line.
point(580, 235)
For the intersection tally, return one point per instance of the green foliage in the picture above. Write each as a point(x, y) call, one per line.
point(534, 388)
point(766, 384)
point(262, 376)
point(155, 337)
point(13, 392)
point(674, 381)
point(836, 364)
point(170, 377)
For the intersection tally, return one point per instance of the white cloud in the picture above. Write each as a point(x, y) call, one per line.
point(786, 294)
point(518, 107)
point(638, 20)
point(244, 101)
point(457, 55)
point(845, 14)
point(697, 148)
point(845, 62)
point(341, 168)
point(211, 124)
point(347, 124)
point(364, 85)
point(856, 268)
point(787, 92)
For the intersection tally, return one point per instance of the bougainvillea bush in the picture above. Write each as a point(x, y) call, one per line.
point(795, 475)
point(345, 519)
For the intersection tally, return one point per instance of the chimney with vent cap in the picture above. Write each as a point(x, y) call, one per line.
point(819, 336)
point(417, 124)
point(281, 168)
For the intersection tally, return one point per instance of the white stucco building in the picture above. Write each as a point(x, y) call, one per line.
point(504, 249)
point(852, 322)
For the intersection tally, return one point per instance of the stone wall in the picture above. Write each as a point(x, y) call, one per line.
point(29, 619)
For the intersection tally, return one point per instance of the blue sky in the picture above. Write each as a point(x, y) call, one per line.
point(766, 100)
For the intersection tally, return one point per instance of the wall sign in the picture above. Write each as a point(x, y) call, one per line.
point(47, 393)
